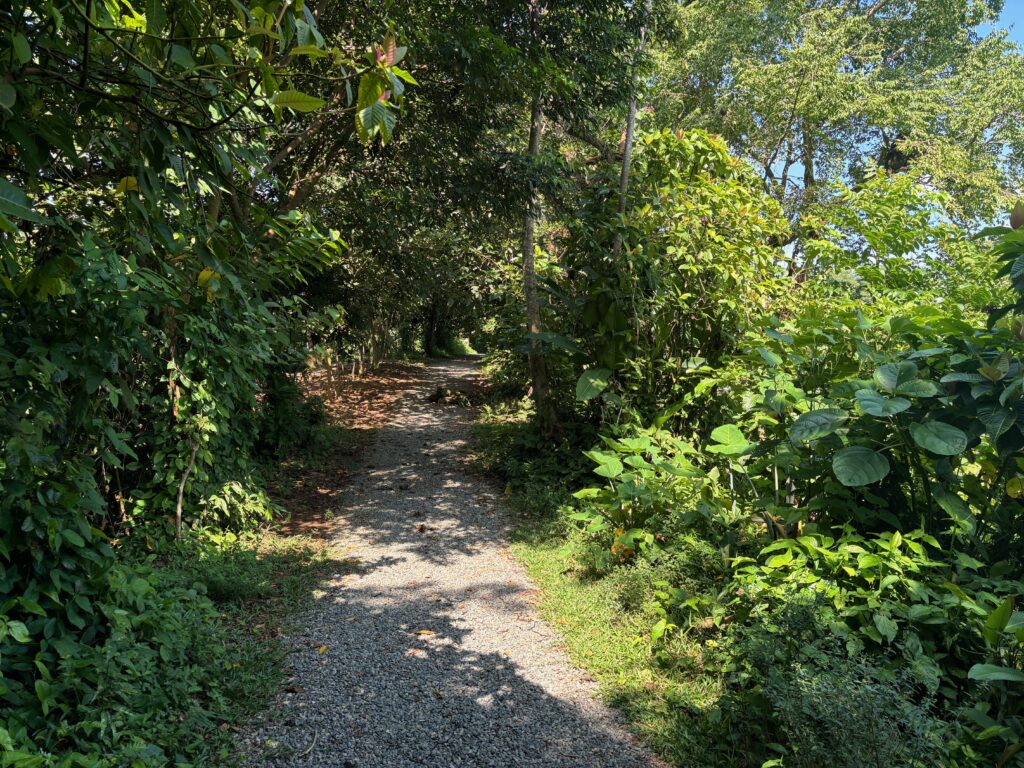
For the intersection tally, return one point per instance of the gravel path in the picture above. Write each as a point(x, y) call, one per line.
point(426, 649)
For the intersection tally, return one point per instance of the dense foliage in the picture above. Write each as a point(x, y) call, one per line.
point(725, 253)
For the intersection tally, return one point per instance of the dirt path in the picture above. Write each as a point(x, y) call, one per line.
point(426, 650)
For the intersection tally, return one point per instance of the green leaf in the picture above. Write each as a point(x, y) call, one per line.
point(772, 358)
point(991, 673)
point(892, 375)
point(591, 383)
point(874, 403)
point(957, 376)
point(19, 631)
point(75, 538)
point(313, 51)
point(857, 465)
point(658, 630)
point(22, 50)
point(611, 468)
point(156, 17)
point(14, 202)
point(119, 444)
point(814, 425)
point(918, 388)
point(556, 340)
point(376, 119)
point(182, 57)
point(399, 72)
point(296, 100)
point(938, 437)
point(8, 96)
point(954, 506)
point(886, 626)
point(997, 620)
point(730, 440)
point(997, 420)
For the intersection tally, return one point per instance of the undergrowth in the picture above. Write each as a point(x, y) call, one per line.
point(669, 697)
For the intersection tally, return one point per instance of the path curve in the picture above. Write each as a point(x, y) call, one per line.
point(434, 654)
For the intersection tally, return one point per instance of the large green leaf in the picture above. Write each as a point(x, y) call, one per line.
point(607, 464)
point(992, 673)
point(857, 465)
point(297, 100)
point(817, 424)
point(938, 437)
point(997, 620)
point(729, 441)
point(918, 388)
point(891, 375)
point(876, 404)
point(378, 118)
point(996, 419)
point(591, 383)
point(14, 202)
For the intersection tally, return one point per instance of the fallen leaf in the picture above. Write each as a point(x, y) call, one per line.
point(323, 649)
point(424, 632)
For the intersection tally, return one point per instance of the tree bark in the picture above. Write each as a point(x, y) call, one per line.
point(538, 369)
point(627, 149)
point(627, 161)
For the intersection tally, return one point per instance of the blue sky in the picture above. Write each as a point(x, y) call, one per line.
point(1013, 14)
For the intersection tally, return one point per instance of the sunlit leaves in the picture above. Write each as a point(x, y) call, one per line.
point(591, 383)
point(729, 440)
point(298, 101)
point(814, 425)
point(374, 114)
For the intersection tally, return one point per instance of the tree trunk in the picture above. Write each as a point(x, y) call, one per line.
point(430, 332)
point(627, 160)
point(538, 369)
point(627, 149)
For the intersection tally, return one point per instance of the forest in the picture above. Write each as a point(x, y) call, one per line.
point(740, 286)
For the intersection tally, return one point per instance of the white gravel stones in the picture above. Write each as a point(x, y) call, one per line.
point(434, 655)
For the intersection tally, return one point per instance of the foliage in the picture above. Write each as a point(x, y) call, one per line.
point(698, 240)
point(175, 666)
point(816, 92)
point(147, 271)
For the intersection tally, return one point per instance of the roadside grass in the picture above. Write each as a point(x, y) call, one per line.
point(668, 696)
point(258, 584)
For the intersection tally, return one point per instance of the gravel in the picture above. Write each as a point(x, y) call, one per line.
point(425, 649)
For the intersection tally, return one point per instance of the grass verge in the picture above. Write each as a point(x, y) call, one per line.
point(258, 583)
point(668, 697)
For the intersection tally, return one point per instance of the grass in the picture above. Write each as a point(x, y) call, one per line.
point(259, 583)
point(666, 693)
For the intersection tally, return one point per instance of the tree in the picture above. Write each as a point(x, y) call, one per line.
point(815, 92)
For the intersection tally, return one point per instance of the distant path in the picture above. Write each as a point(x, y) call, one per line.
point(434, 654)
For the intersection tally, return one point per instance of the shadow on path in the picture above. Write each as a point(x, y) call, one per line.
point(425, 649)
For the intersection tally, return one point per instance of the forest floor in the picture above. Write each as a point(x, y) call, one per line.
point(424, 647)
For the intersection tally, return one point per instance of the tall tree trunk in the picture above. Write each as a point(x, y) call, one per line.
point(627, 161)
point(627, 149)
point(538, 369)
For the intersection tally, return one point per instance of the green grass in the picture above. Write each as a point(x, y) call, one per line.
point(668, 696)
point(668, 699)
point(259, 584)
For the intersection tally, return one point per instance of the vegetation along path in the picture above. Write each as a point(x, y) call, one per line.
point(426, 649)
